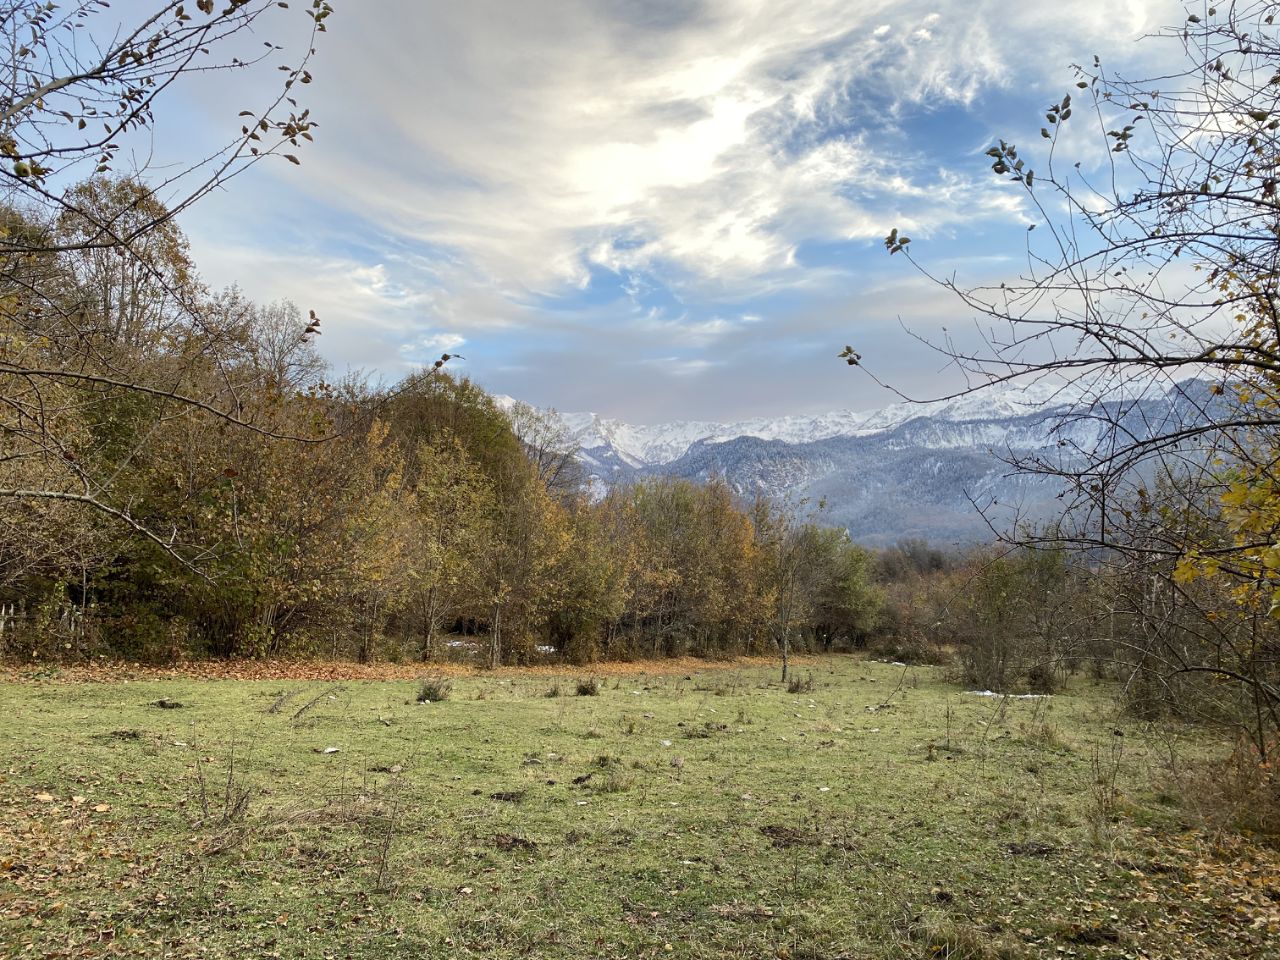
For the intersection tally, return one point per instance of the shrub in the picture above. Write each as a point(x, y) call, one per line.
point(434, 689)
point(912, 647)
point(589, 687)
point(1241, 792)
point(985, 664)
point(800, 684)
point(1041, 678)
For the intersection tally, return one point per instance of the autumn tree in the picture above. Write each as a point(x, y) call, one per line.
point(1151, 294)
point(594, 578)
point(451, 500)
point(92, 275)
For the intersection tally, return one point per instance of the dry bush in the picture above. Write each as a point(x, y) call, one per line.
point(801, 684)
point(434, 690)
point(914, 647)
point(1241, 792)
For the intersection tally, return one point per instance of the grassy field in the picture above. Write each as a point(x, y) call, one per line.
point(883, 813)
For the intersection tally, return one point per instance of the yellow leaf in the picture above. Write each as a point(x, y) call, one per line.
point(1186, 571)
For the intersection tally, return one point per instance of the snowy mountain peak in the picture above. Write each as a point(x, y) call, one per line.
point(906, 470)
point(656, 444)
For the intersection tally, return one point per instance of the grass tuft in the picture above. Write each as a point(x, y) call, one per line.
point(436, 690)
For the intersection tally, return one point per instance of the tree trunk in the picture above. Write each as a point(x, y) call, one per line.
point(429, 637)
point(495, 638)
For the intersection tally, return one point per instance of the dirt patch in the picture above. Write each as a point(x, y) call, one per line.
point(1032, 848)
point(1094, 936)
point(510, 841)
point(783, 836)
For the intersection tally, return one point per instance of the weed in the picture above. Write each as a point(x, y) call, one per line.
point(511, 841)
point(588, 688)
point(434, 690)
point(1044, 735)
point(1104, 793)
point(617, 782)
point(221, 804)
point(382, 828)
point(707, 730)
point(1241, 792)
point(803, 684)
point(282, 701)
point(951, 939)
point(310, 704)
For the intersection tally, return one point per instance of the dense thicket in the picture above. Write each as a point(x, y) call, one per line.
point(286, 515)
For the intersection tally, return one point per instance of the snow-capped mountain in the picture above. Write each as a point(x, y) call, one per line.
point(655, 444)
point(906, 470)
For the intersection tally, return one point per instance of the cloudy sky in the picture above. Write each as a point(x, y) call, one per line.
point(653, 209)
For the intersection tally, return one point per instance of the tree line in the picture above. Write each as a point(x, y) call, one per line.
point(194, 482)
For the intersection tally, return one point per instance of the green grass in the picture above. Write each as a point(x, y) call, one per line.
point(704, 815)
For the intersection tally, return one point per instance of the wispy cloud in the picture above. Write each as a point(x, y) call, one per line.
point(651, 168)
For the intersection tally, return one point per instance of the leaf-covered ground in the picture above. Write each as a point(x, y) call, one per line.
point(699, 813)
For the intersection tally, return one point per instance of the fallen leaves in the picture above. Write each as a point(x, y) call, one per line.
point(337, 670)
point(54, 853)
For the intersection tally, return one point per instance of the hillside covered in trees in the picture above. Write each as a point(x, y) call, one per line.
point(193, 483)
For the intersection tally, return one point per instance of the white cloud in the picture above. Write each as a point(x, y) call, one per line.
point(525, 138)
point(495, 153)
point(426, 350)
point(682, 330)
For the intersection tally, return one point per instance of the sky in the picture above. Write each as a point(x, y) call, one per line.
point(651, 209)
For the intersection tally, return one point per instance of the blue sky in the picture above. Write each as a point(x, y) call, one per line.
point(652, 210)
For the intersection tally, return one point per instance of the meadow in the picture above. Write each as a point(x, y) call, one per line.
point(869, 810)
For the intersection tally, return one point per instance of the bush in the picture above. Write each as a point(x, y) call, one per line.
point(1241, 792)
point(1041, 678)
point(434, 689)
point(912, 647)
point(589, 687)
point(800, 684)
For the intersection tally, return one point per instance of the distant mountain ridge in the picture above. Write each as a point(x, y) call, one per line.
point(906, 470)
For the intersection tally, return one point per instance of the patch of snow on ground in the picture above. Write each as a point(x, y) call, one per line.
point(1011, 696)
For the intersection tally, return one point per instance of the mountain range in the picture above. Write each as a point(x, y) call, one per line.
point(909, 470)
